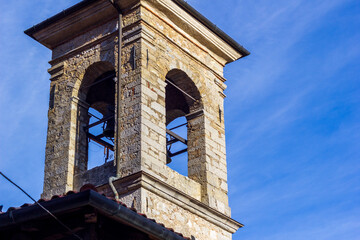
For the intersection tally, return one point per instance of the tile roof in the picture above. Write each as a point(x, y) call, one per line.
point(87, 187)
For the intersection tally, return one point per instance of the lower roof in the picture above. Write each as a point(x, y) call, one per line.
point(61, 206)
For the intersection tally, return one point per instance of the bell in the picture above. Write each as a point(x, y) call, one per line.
point(168, 158)
point(109, 128)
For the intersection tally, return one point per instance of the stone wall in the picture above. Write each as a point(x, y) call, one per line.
point(165, 49)
point(97, 176)
point(153, 46)
point(190, 224)
point(172, 207)
point(66, 149)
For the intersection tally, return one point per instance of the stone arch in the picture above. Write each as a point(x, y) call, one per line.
point(183, 99)
point(96, 90)
point(190, 70)
point(90, 93)
point(86, 72)
point(180, 103)
point(89, 73)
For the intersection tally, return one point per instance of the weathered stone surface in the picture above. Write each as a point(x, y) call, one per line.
point(156, 46)
point(181, 220)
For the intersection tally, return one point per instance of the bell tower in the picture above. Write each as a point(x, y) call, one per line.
point(122, 73)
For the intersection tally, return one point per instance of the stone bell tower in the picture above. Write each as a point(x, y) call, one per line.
point(170, 66)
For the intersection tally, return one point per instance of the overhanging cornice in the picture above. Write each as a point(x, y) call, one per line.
point(146, 180)
point(89, 13)
point(184, 5)
point(71, 22)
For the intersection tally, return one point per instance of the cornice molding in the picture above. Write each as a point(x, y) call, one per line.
point(87, 14)
point(158, 187)
point(195, 29)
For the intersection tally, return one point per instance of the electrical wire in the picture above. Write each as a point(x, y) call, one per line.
point(178, 126)
point(178, 88)
point(97, 82)
point(41, 206)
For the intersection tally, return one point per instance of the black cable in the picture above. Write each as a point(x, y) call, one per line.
point(41, 206)
point(178, 126)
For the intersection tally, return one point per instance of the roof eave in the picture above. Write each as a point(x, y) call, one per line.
point(88, 198)
point(201, 18)
point(181, 3)
point(40, 26)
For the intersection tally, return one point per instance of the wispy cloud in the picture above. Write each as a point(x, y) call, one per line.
point(24, 87)
point(292, 112)
point(291, 121)
point(273, 30)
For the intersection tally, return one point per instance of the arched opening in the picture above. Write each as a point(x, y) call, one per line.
point(179, 161)
point(101, 127)
point(96, 117)
point(183, 103)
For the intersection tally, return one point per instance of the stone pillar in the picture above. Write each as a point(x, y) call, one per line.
point(58, 162)
point(153, 128)
point(130, 116)
point(216, 169)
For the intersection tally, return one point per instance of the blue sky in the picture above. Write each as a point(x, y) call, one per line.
point(292, 112)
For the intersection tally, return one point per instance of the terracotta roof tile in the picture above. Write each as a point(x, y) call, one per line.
point(91, 187)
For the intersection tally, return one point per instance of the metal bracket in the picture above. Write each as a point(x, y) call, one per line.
point(173, 139)
point(132, 59)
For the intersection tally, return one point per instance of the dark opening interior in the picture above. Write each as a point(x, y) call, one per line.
point(100, 95)
point(182, 97)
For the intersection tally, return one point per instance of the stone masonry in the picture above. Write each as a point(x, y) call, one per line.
point(162, 39)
